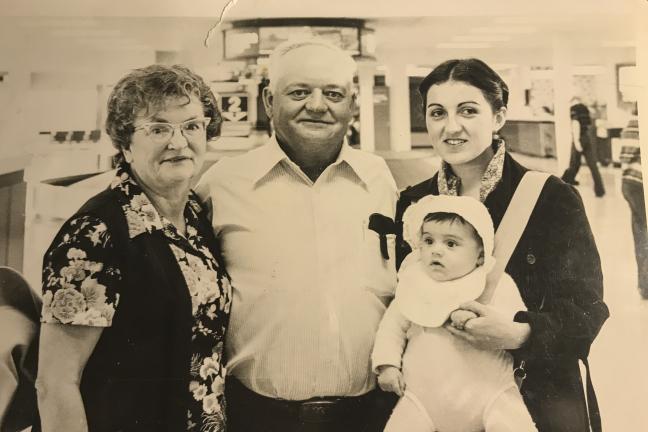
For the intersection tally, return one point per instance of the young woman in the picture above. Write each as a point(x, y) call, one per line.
point(555, 265)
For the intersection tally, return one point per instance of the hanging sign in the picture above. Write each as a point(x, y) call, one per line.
point(234, 106)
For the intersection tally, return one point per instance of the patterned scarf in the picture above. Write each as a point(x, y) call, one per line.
point(450, 184)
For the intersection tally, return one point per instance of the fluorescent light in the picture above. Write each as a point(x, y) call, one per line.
point(619, 44)
point(522, 29)
point(61, 23)
point(112, 44)
point(463, 45)
point(512, 20)
point(86, 33)
point(588, 70)
point(481, 38)
point(503, 66)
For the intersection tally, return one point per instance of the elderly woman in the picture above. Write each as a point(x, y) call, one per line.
point(135, 296)
point(555, 266)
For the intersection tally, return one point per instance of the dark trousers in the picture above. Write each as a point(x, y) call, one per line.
point(575, 162)
point(250, 412)
point(634, 194)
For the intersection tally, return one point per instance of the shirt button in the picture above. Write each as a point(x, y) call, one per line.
point(531, 259)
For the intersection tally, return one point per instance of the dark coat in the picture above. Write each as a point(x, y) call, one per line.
point(557, 269)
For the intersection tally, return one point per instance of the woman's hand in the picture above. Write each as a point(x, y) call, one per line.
point(390, 379)
point(491, 330)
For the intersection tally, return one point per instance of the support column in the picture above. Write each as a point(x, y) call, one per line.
point(399, 107)
point(642, 71)
point(14, 92)
point(562, 94)
point(366, 72)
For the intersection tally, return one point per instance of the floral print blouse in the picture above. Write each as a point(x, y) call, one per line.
point(82, 283)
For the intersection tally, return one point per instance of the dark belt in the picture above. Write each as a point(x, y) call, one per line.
point(315, 410)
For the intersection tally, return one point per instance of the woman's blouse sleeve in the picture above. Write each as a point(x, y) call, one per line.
point(81, 278)
point(573, 310)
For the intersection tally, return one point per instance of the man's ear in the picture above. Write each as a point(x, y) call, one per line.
point(268, 99)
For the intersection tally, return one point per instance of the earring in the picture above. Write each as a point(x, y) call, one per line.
point(128, 156)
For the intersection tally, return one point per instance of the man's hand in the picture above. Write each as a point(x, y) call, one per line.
point(460, 317)
point(390, 379)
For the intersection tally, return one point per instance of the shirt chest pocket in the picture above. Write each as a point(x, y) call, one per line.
point(378, 259)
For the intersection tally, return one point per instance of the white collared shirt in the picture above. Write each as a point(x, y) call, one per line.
point(309, 281)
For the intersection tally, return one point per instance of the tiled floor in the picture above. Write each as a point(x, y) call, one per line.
point(621, 350)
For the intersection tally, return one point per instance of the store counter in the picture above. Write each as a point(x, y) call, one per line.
point(531, 137)
point(12, 210)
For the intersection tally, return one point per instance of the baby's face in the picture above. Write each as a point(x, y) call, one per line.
point(449, 250)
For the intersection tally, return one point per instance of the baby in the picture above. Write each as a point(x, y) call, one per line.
point(446, 384)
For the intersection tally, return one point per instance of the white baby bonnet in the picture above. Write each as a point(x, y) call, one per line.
point(427, 302)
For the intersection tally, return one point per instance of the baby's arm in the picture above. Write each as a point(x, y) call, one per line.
point(390, 379)
point(388, 349)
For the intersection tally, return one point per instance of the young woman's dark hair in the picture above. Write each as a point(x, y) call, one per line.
point(470, 71)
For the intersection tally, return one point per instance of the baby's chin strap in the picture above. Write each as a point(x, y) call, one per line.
point(512, 226)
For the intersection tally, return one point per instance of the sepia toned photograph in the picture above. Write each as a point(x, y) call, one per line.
point(341, 216)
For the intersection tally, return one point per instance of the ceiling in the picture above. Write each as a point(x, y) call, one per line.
point(87, 35)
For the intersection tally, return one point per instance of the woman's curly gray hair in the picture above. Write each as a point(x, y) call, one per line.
point(148, 89)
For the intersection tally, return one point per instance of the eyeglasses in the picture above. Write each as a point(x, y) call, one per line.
point(161, 132)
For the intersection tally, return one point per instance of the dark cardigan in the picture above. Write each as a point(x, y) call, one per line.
point(557, 269)
point(137, 377)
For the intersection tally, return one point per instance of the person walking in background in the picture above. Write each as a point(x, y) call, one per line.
point(632, 189)
point(581, 121)
point(307, 228)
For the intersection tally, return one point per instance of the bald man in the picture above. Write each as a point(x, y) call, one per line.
point(306, 225)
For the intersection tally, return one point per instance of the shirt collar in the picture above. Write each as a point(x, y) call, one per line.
point(141, 215)
point(449, 183)
point(271, 155)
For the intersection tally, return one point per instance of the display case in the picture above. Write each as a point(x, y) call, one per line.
point(250, 39)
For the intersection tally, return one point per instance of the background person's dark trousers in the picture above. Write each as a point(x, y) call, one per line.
point(570, 173)
point(250, 412)
point(634, 194)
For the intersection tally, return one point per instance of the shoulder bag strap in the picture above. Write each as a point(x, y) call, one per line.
point(512, 226)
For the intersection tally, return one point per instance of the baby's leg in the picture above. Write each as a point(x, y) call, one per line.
point(508, 413)
point(409, 416)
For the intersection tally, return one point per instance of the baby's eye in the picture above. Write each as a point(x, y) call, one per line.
point(451, 243)
point(428, 241)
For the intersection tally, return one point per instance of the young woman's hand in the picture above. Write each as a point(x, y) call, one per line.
point(390, 379)
point(491, 330)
